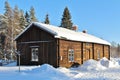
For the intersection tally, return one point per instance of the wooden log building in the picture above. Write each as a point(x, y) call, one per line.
point(41, 43)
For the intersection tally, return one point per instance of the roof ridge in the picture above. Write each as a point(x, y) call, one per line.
point(60, 32)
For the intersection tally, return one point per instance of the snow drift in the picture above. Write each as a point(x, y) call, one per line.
point(92, 65)
point(109, 63)
point(103, 69)
point(102, 64)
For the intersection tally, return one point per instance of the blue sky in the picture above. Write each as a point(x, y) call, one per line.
point(99, 17)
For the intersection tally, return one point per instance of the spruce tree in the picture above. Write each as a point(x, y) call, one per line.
point(32, 15)
point(66, 19)
point(27, 18)
point(47, 20)
point(22, 20)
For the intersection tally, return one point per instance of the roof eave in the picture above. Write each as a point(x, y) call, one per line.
point(39, 26)
point(48, 30)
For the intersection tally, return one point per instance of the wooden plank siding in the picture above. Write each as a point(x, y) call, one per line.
point(83, 51)
point(64, 46)
point(107, 51)
point(98, 51)
point(87, 51)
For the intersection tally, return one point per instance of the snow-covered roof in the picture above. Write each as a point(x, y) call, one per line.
point(60, 32)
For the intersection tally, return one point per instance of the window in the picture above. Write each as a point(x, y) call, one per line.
point(98, 53)
point(34, 54)
point(71, 55)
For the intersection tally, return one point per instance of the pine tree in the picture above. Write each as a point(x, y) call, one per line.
point(32, 15)
point(3, 23)
point(3, 28)
point(27, 18)
point(2, 39)
point(2, 44)
point(16, 13)
point(47, 20)
point(16, 24)
point(66, 20)
point(8, 10)
point(9, 35)
point(9, 15)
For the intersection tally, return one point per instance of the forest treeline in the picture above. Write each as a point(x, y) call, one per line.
point(115, 49)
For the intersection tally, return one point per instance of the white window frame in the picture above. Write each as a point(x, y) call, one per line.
point(71, 55)
point(34, 53)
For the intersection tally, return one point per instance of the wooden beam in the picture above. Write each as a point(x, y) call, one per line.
point(34, 42)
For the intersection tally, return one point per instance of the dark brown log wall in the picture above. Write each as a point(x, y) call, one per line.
point(47, 50)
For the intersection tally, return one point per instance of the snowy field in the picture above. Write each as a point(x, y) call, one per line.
point(90, 70)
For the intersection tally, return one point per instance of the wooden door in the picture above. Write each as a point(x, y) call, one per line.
point(86, 54)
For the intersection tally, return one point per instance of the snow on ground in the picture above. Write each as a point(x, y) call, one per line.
point(103, 69)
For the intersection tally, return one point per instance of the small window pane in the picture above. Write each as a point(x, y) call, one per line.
point(71, 55)
point(34, 56)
